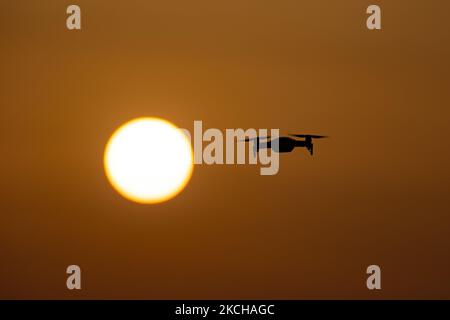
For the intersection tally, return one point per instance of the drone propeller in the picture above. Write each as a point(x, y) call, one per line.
point(255, 138)
point(313, 136)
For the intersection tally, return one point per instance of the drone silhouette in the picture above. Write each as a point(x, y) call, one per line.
point(285, 143)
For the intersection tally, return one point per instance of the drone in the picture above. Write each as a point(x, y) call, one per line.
point(285, 143)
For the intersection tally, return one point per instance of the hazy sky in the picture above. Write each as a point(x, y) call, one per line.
point(377, 192)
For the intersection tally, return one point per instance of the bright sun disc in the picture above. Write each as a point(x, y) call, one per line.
point(148, 160)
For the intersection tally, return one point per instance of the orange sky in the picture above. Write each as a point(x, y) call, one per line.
point(377, 192)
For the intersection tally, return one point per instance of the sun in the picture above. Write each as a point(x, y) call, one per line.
point(148, 160)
